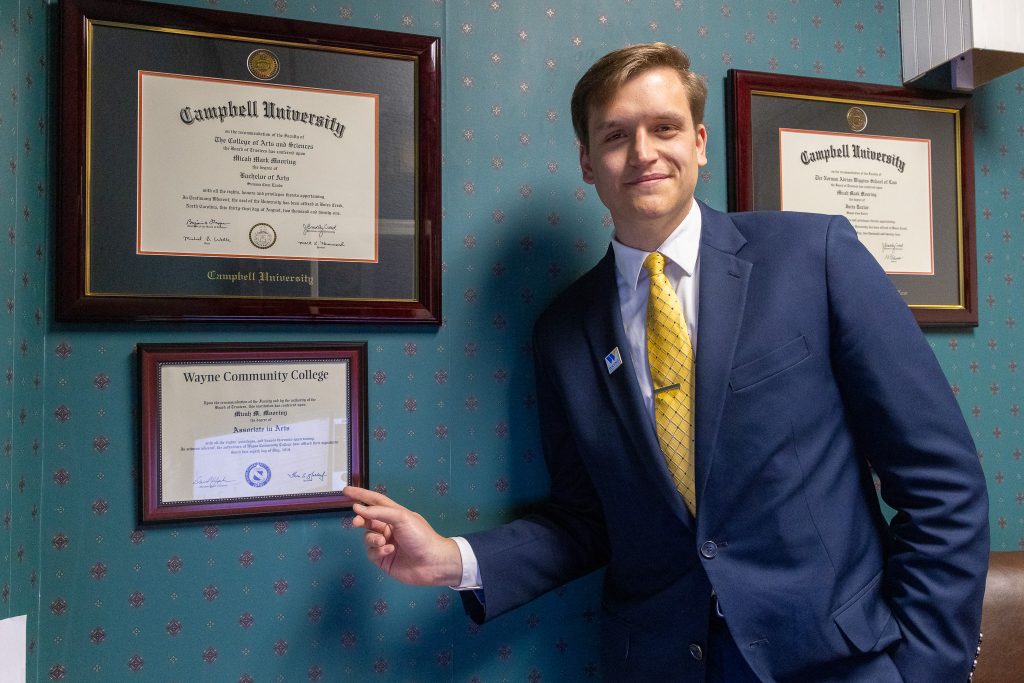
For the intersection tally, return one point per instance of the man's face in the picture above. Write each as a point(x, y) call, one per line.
point(643, 157)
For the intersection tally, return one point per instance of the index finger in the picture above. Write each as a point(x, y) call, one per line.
point(368, 497)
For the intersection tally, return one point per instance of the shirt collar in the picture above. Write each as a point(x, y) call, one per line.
point(681, 247)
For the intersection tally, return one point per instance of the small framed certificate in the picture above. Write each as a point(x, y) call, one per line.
point(245, 429)
point(897, 163)
point(226, 166)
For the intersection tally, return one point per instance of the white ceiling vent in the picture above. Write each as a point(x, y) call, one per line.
point(960, 44)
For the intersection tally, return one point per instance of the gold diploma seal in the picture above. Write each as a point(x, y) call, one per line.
point(263, 64)
point(262, 236)
point(857, 119)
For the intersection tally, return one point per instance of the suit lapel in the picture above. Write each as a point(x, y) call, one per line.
point(604, 330)
point(723, 292)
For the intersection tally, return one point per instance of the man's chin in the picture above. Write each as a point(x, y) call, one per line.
point(659, 212)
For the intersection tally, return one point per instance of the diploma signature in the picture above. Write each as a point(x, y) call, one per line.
point(892, 252)
point(318, 229)
point(205, 240)
point(308, 476)
point(216, 481)
point(209, 223)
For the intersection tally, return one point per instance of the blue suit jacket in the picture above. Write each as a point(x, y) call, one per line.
point(811, 373)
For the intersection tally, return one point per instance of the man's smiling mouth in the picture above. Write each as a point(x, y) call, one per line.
point(650, 177)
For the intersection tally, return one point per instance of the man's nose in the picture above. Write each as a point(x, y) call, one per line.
point(641, 149)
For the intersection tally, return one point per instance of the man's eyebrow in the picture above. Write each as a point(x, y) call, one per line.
point(659, 116)
point(609, 123)
point(669, 116)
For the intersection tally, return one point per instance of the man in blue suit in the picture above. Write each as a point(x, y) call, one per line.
point(810, 374)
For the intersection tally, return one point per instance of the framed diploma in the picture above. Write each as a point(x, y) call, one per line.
point(223, 166)
point(245, 429)
point(897, 163)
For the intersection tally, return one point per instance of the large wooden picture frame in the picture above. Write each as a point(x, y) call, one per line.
point(898, 163)
point(224, 166)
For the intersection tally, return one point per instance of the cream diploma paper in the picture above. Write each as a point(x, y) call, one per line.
point(250, 170)
point(246, 430)
point(881, 184)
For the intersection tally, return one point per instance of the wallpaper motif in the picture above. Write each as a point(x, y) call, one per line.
point(452, 412)
point(24, 216)
point(985, 366)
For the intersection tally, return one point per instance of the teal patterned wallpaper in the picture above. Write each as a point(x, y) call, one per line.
point(451, 410)
point(24, 217)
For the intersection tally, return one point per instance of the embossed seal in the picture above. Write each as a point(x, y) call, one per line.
point(263, 64)
point(257, 474)
point(262, 236)
point(857, 119)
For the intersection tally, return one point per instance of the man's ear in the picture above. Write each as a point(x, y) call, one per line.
point(585, 167)
point(702, 144)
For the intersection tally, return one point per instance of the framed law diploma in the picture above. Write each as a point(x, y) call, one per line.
point(222, 166)
point(244, 429)
point(897, 163)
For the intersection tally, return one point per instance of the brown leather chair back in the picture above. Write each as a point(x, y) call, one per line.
point(1002, 621)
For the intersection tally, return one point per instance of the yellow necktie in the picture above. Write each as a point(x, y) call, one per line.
point(670, 357)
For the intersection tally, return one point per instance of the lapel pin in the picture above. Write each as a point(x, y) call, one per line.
point(613, 360)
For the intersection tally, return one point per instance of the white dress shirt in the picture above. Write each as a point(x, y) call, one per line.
point(682, 267)
point(680, 250)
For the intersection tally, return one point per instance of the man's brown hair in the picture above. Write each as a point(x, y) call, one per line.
point(608, 74)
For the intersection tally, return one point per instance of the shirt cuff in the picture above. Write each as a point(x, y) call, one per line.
point(471, 579)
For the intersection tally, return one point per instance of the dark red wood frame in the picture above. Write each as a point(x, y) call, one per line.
point(152, 356)
point(73, 302)
point(740, 88)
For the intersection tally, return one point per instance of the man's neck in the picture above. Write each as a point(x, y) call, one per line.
point(649, 236)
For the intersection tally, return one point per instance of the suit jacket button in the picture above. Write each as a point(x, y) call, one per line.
point(709, 549)
point(696, 651)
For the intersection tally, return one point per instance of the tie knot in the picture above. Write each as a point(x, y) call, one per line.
point(655, 263)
